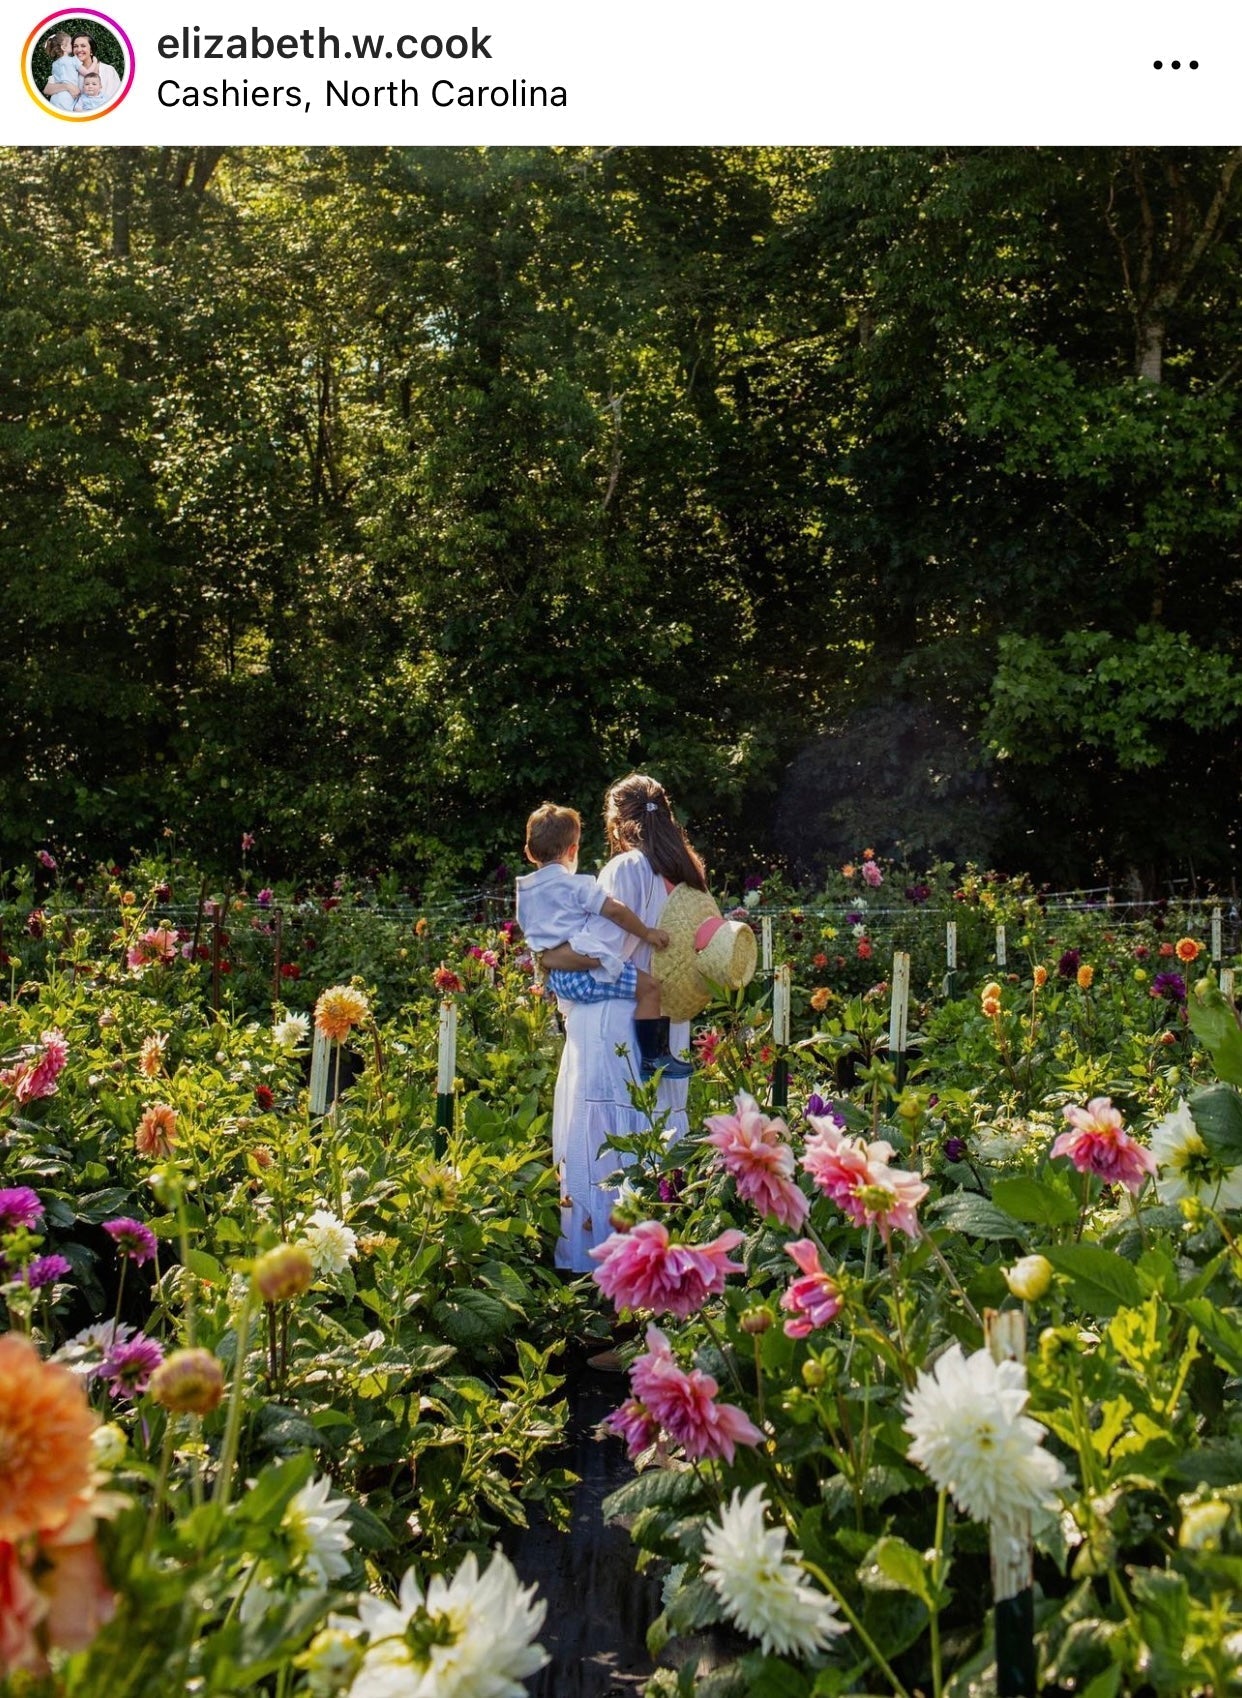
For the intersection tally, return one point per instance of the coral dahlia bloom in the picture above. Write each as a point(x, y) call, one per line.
point(157, 944)
point(45, 1441)
point(684, 1403)
point(641, 1269)
point(338, 1011)
point(157, 1131)
point(151, 1055)
point(752, 1150)
point(1188, 950)
point(446, 981)
point(813, 1300)
point(1099, 1143)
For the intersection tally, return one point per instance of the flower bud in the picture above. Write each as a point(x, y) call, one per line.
point(283, 1273)
point(756, 1321)
point(1202, 1525)
point(331, 1661)
point(108, 1445)
point(1029, 1278)
point(814, 1374)
point(990, 989)
point(189, 1382)
point(909, 1108)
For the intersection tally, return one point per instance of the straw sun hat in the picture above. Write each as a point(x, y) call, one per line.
point(704, 950)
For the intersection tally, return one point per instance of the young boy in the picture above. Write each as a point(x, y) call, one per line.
point(92, 96)
point(553, 905)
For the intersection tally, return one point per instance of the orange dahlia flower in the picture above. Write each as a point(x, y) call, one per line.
point(1085, 976)
point(1188, 950)
point(338, 1011)
point(157, 1131)
point(45, 1441)
point(1040, 977)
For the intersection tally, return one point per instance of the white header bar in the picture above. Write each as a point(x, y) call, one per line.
point(450, 72)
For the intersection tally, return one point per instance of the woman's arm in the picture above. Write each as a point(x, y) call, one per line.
point(564, 959)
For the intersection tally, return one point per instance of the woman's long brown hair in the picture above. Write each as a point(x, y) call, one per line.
point(637, 815)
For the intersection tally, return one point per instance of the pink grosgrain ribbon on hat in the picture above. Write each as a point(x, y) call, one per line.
point(707, 931)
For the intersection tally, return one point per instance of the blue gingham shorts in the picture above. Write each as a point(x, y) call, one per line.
point(582, 987)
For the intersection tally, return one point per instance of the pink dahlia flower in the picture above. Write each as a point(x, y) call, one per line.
point(641, 1269)
point(813, 1300)
point(36, 1073)
point(636, 1425)
point(753, 1151)
point(1100, 1144)
point(858, 1178)
point(872, 874)
point(684, 1403)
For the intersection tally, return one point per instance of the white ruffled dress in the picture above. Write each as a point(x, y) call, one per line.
point(592, 1100)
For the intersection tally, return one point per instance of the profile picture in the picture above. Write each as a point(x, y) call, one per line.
point(78, 65)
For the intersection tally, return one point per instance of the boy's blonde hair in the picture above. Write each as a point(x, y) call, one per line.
point(551, 832)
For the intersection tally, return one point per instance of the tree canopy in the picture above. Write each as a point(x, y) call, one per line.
point(366, 498)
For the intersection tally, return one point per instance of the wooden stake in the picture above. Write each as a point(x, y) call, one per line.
point(1226, 982)
point(215, 961)
point(950, 945)
point(1216, 949)
point(765, 943)
point(781, 989)
point(446, 1072)
point(1013, 1598)
point(899, 1012)
point(321, 1050)
point(276, 963)
point(1002, 953)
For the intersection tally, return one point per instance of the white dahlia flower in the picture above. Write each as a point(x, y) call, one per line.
point(760, 1584)
point(331, 1243)
point(971, 1437)
point(469, 1637)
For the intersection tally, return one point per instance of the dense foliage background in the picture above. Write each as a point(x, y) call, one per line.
point(361, 498)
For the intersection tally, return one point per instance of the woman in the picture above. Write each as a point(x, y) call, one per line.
point(84, 53)
point(650, 854)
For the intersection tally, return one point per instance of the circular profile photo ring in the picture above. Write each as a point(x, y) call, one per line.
point(70, 65)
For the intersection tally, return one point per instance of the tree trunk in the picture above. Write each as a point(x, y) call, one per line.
point(1149, 363)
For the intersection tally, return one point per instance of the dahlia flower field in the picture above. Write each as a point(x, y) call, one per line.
point(277, 1373)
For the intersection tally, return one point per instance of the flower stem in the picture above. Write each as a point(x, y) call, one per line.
point(952, 1278)
point(869, 1644)
point(937, 1576)
point(161, 1487)
point(232, 1430)
point(724, 1350)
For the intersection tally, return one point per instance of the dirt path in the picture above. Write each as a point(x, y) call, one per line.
point(598, 1608)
